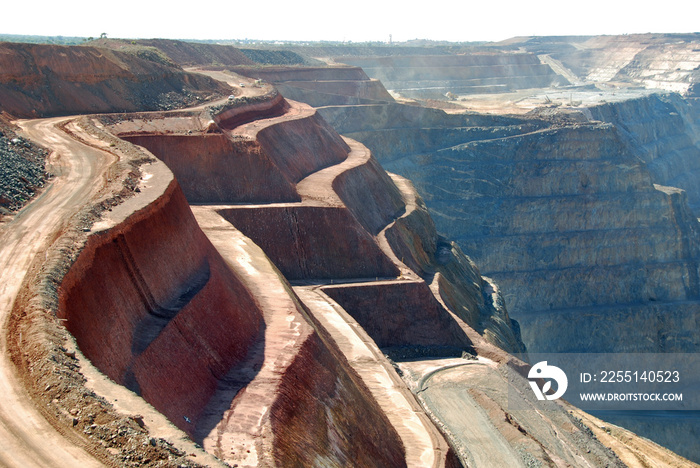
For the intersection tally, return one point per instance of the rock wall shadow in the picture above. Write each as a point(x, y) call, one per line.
point(166, 318)
point(228, 387)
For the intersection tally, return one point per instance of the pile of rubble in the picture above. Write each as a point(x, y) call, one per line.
point(21, 170)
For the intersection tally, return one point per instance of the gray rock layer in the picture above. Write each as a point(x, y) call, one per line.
point(573, 221)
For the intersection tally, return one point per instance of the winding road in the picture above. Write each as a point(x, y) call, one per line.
point(26, 439)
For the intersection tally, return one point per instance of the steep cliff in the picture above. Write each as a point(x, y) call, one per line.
point(334, 191)
point(571, 207)
point(587, 233)
point(197, 314)
point(151, 318)
point(225, 355)
point(663, 131)
point(434, 76)
point(326, 236)
point(539, 202)
point(574, 220)
point(395, 130)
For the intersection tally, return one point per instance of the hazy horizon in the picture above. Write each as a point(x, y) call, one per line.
point(360, 21)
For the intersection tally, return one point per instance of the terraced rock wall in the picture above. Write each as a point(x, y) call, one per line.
point(213, 168)
point(302, 146)
point(322, 86)
point(370, 195)
point(410, 315)
point(658, 61)
point(564, 219)
point(304, 74)
point(191, 53)
point(324, 416)
point(246, 110)
point(567, 221)
point(664, 131)
point(393, 131)
point(348, 227)
point(152, 305)
point(255, 163)
point(318, 247)
point(365, 90)
point(433, 76)
point(336, 93)
point(452, 276)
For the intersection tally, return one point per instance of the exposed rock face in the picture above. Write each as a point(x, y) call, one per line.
point(322, 86)
point(657, 61)
point(43, 80)
point(365, 202)
point(396, 130)
point(198, 54)
point(152, 317)
point(433, 76)
point(189, 54)
point(399, 325)
point(322, 250)
point(204, 166)
point(219, 388)
point(454, 278)
point(567, 220)
point(313, 420)
point(570, 221)
point(168, 317)
point(664, 132)
point(202, 325)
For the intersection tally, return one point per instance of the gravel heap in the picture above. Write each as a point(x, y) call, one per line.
point(21, 170)
point(274, 57)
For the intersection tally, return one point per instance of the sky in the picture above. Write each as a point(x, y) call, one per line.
point(353, 20)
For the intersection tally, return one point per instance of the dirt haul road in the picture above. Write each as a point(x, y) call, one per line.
point(26, 438)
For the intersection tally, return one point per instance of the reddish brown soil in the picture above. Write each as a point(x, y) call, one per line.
point(369, 194)
point(410, 314)
point(321, 249)
point(90, 181)
point(45, 80)
point(232, 116)
point(299, 146)
point(164, 297)
point(313, 421)
point(213, 168)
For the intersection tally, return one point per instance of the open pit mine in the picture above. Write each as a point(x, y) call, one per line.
point(206, 263)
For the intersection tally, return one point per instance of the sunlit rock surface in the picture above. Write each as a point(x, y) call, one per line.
point(568, 219)
point(201, 319)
